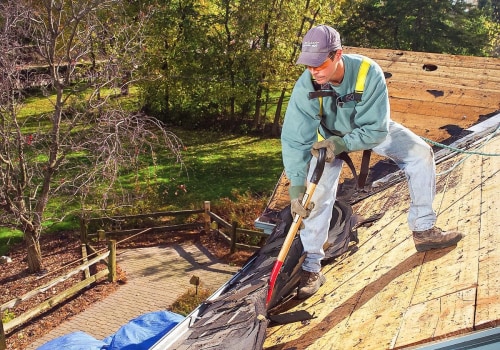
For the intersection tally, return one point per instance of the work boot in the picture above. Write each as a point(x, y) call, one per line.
point(310, 283)
point(435, 238)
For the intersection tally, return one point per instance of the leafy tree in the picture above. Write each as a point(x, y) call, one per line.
point(198, 64)
point(83, 144)
point(174, 47)
point(491, 6)
point(215, 63)
point(442, 26)
point(219, 64)
point(492, 9)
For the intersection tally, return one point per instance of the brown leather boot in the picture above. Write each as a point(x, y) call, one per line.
point(435, 238)
point(310, 283)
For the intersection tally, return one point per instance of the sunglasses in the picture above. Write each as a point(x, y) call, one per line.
point(322, 65)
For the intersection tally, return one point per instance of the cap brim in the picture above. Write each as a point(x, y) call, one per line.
point(313, 59)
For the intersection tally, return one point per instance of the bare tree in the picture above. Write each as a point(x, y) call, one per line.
point(80, 148)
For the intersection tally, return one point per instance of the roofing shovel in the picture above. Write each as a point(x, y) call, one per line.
point(297, 220)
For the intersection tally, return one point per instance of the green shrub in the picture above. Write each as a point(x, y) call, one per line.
point(8, 316)
point(243, 208)
point(190, 300)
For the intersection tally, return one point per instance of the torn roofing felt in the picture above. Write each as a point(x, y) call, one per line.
point(237, 316)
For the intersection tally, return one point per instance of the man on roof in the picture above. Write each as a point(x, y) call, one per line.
point(348, 118)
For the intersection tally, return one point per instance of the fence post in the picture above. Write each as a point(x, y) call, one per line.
point(86, 272)
point(101, 235)
point(112, 260)
point(233, 237)
point(83, 229)
point(3, 343)
point(206, 206)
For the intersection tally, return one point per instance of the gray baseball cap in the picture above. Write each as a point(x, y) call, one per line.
point(317, 43)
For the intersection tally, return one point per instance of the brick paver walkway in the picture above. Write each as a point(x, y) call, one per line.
point(156, 277)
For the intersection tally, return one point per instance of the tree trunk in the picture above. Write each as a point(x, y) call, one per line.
point(277, 116)
point(34, 252)
point(258, 103)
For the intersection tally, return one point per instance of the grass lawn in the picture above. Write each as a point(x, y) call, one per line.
point(7, 238)
point(215, 166)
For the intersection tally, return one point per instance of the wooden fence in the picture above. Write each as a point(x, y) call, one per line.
point(229, 232)
point(93, 228)
point(110, 271)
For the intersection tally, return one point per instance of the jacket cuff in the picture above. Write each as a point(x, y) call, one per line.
point(296, 191)
point(339, 143)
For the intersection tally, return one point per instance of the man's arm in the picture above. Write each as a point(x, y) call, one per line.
point(299, 131)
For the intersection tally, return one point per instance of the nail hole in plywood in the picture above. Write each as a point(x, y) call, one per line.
point(428, 67)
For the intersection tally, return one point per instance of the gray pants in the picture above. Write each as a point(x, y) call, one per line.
point(411, 154)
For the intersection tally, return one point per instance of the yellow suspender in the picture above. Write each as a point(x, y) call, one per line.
point(362, 72)
point(320, 106)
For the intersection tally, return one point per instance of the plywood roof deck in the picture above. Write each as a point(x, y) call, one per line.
point(386, 295)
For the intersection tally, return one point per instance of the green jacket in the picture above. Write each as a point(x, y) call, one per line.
point(354, 126)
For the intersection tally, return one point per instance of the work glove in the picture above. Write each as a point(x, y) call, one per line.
point(296, 207)
point(334, 145)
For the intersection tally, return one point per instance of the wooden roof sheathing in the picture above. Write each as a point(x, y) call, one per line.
point(388, 296)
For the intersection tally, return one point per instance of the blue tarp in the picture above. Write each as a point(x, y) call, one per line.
point(140, 333)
